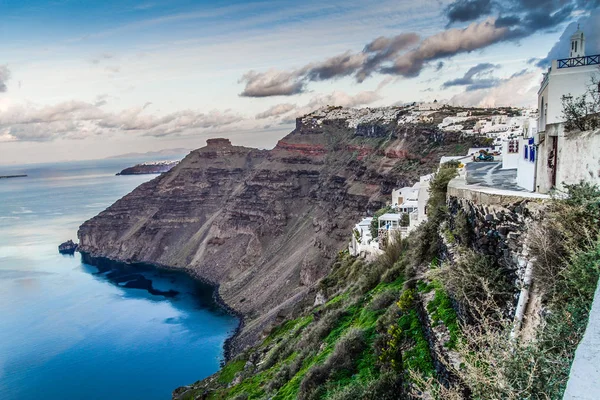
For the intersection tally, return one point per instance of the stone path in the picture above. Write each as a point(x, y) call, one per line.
point(490, 174)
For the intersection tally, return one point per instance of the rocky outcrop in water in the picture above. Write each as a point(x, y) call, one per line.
point(68, 247)
point(265, 225)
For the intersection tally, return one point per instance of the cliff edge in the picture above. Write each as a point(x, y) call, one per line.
point(266, 225)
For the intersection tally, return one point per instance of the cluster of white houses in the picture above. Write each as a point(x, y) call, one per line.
point(534, 144)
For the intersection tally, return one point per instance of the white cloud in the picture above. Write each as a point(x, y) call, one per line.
point(4, 77)
point(78, 120)
point(520, 90)
point(276, 110)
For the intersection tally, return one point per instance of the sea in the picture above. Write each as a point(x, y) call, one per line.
point(69, 331)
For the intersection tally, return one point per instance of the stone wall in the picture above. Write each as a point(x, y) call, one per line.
point(496, 226)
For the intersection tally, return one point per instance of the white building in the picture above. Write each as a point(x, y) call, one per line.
point(566, 77)
point(423, 198)
point(430, 106)
point(402, 197)
point(362, 243)
point(510, 152)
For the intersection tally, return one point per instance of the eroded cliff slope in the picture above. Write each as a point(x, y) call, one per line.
point(266, 225)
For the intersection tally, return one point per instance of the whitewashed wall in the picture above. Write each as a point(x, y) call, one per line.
point(510, 160)
point(563, 81)
point(525, 168)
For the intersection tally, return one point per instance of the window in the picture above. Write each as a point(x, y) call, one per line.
point(575, 47)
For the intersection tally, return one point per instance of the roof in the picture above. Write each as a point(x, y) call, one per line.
point(409, 203)
point(365, 221)
point(390, 217)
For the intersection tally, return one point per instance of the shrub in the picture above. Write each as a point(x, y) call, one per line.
point(343, 357)
point(392, 252)
point(395, 272)
point(407, 299)
point(388, 349)
point(369, 278)
point(281, 377)
point(383, 300)
point(388, 386)
point(462, 228)
point(321, 329)
point(427, 243)
point(476, 280)
point(389, 317)
point(347, 349)
point(350, 392)
point(312, 385)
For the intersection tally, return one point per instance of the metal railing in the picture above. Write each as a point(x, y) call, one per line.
point(579, 61)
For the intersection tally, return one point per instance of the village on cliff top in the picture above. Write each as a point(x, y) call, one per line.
point(530, 153)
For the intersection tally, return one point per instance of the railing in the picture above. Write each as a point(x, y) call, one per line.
point(579, 61)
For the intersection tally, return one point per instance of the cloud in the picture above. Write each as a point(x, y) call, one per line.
point(101, 100)
point(77, 119)
point(272, 83)
point(525, 16)
point(384, 49)
point(473, 78)
point(362, 64)
point(278, 109)
point(4, 77)
point(113, 68)
point(339, 98)
point(395, 55)
point(341, 65)
point(519, 90)
point(102, 57)
point(447, 44)
point(468, 10)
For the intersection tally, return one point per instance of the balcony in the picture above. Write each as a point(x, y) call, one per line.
point(579, 61)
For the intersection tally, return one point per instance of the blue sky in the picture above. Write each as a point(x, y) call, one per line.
point(111, 77)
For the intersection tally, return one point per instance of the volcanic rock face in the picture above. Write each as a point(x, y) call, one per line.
point(265, 225)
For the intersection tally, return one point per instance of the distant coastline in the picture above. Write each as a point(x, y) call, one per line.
point(12, 176)
point(155, 167)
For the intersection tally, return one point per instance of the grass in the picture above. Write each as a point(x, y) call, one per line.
point(229, 370)
point(441, 311)
point(418, 356)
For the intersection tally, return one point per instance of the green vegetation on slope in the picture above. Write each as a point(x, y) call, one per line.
point(371, 341)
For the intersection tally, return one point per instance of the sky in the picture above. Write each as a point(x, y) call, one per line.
point(87, 79)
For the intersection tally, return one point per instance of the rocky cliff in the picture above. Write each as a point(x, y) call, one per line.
point(266, 225)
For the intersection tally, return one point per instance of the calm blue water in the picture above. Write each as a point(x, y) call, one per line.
point(68, 332)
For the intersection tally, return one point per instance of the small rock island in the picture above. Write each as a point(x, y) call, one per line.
point(68, 247)
point(152, 167)
point(12, 176)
